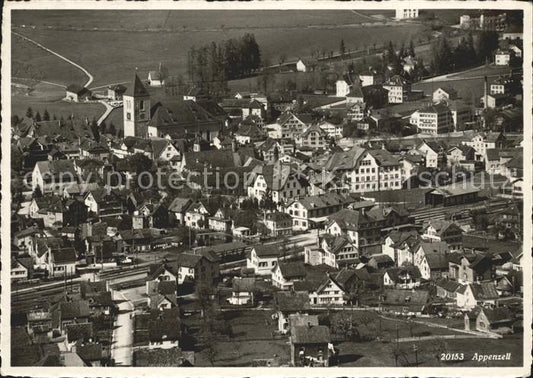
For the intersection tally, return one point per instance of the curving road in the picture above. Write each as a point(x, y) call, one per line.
point(90, 77)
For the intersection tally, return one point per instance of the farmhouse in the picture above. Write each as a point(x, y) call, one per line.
point(77, 93)
point(115, 92)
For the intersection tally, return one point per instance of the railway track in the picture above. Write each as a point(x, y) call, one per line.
point(440, 213)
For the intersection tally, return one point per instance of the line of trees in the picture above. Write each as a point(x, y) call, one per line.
point(211, 66)
point(469, 52)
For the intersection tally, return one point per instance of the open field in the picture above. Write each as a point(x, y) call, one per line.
point(49, 97)
point(30, 61)
point(292, 34)
point(182, 19)
point(374, 354)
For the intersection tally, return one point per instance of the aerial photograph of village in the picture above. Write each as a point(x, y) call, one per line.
point(267, 188)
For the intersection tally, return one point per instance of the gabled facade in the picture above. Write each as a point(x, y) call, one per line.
point(330, 292)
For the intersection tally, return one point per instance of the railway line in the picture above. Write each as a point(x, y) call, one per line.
point(123, 277)
point(440, 213)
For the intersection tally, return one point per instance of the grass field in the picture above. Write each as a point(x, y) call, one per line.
point(28, 60)
point(46, 96)
point(376, 354)
point(183, 19)
point(469, 85)
point(112, 54)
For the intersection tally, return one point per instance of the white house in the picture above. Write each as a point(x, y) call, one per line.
point(329, 292)
point(284, 274)
point(398, 89)
point(302, 66)
point(502, 57)
point(444, 93)
point(405, 277)
point(342, 88)
point(430, 151)
point(367, 170)
point(54, 176)
point(156, 79)
point(399, 245)
point(471, 295)
point(333, 131)
point(431, 259)
point(403, 13)
point(433, 119)
point(263, 258)
point(243, 291)
point(315, 255)
point(280, 180)
point(196, 216)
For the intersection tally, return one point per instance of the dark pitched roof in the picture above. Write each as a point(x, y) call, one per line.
point(401, 273)
point(484, 290)
point(179, 204)
point(448, 285)
point(246, 284)
point(136, 88)
point(64, 256)
point(405, 297)
point(292, 269)
point(90, 352)
point(78, 89)
point(310, 335)
point(499, 314)
point(77, 309)
point(79, 332)
point(189, 260)
point(179, 117)
point(381, 258)
point(267, 250)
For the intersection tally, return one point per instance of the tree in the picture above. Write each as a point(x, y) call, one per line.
point(17, 159)
point(342, 48)
point(281, 59)
point(139, 163)
point(95, 130)
point(112, 130)
point(102, 128)
point(46, 115)
point(442, 56)
point(348, 130)
point(411, 49)
point(342, 323)
point(464, 53)
point(487, 43)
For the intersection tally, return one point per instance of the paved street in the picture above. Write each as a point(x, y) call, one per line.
point(122, 351)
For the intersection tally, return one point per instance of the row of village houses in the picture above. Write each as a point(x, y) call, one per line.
point(288, 176)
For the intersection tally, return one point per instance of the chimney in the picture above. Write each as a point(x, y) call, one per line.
point(485, 93)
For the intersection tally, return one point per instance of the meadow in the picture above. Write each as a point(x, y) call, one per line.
point(106, 44)
point(49, 97)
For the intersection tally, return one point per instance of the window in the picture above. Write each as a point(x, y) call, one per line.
point(141, 105)
point(128, 116)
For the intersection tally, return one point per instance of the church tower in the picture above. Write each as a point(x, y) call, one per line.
point(136, 109)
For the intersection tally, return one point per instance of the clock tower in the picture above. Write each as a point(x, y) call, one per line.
point(136, 108)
